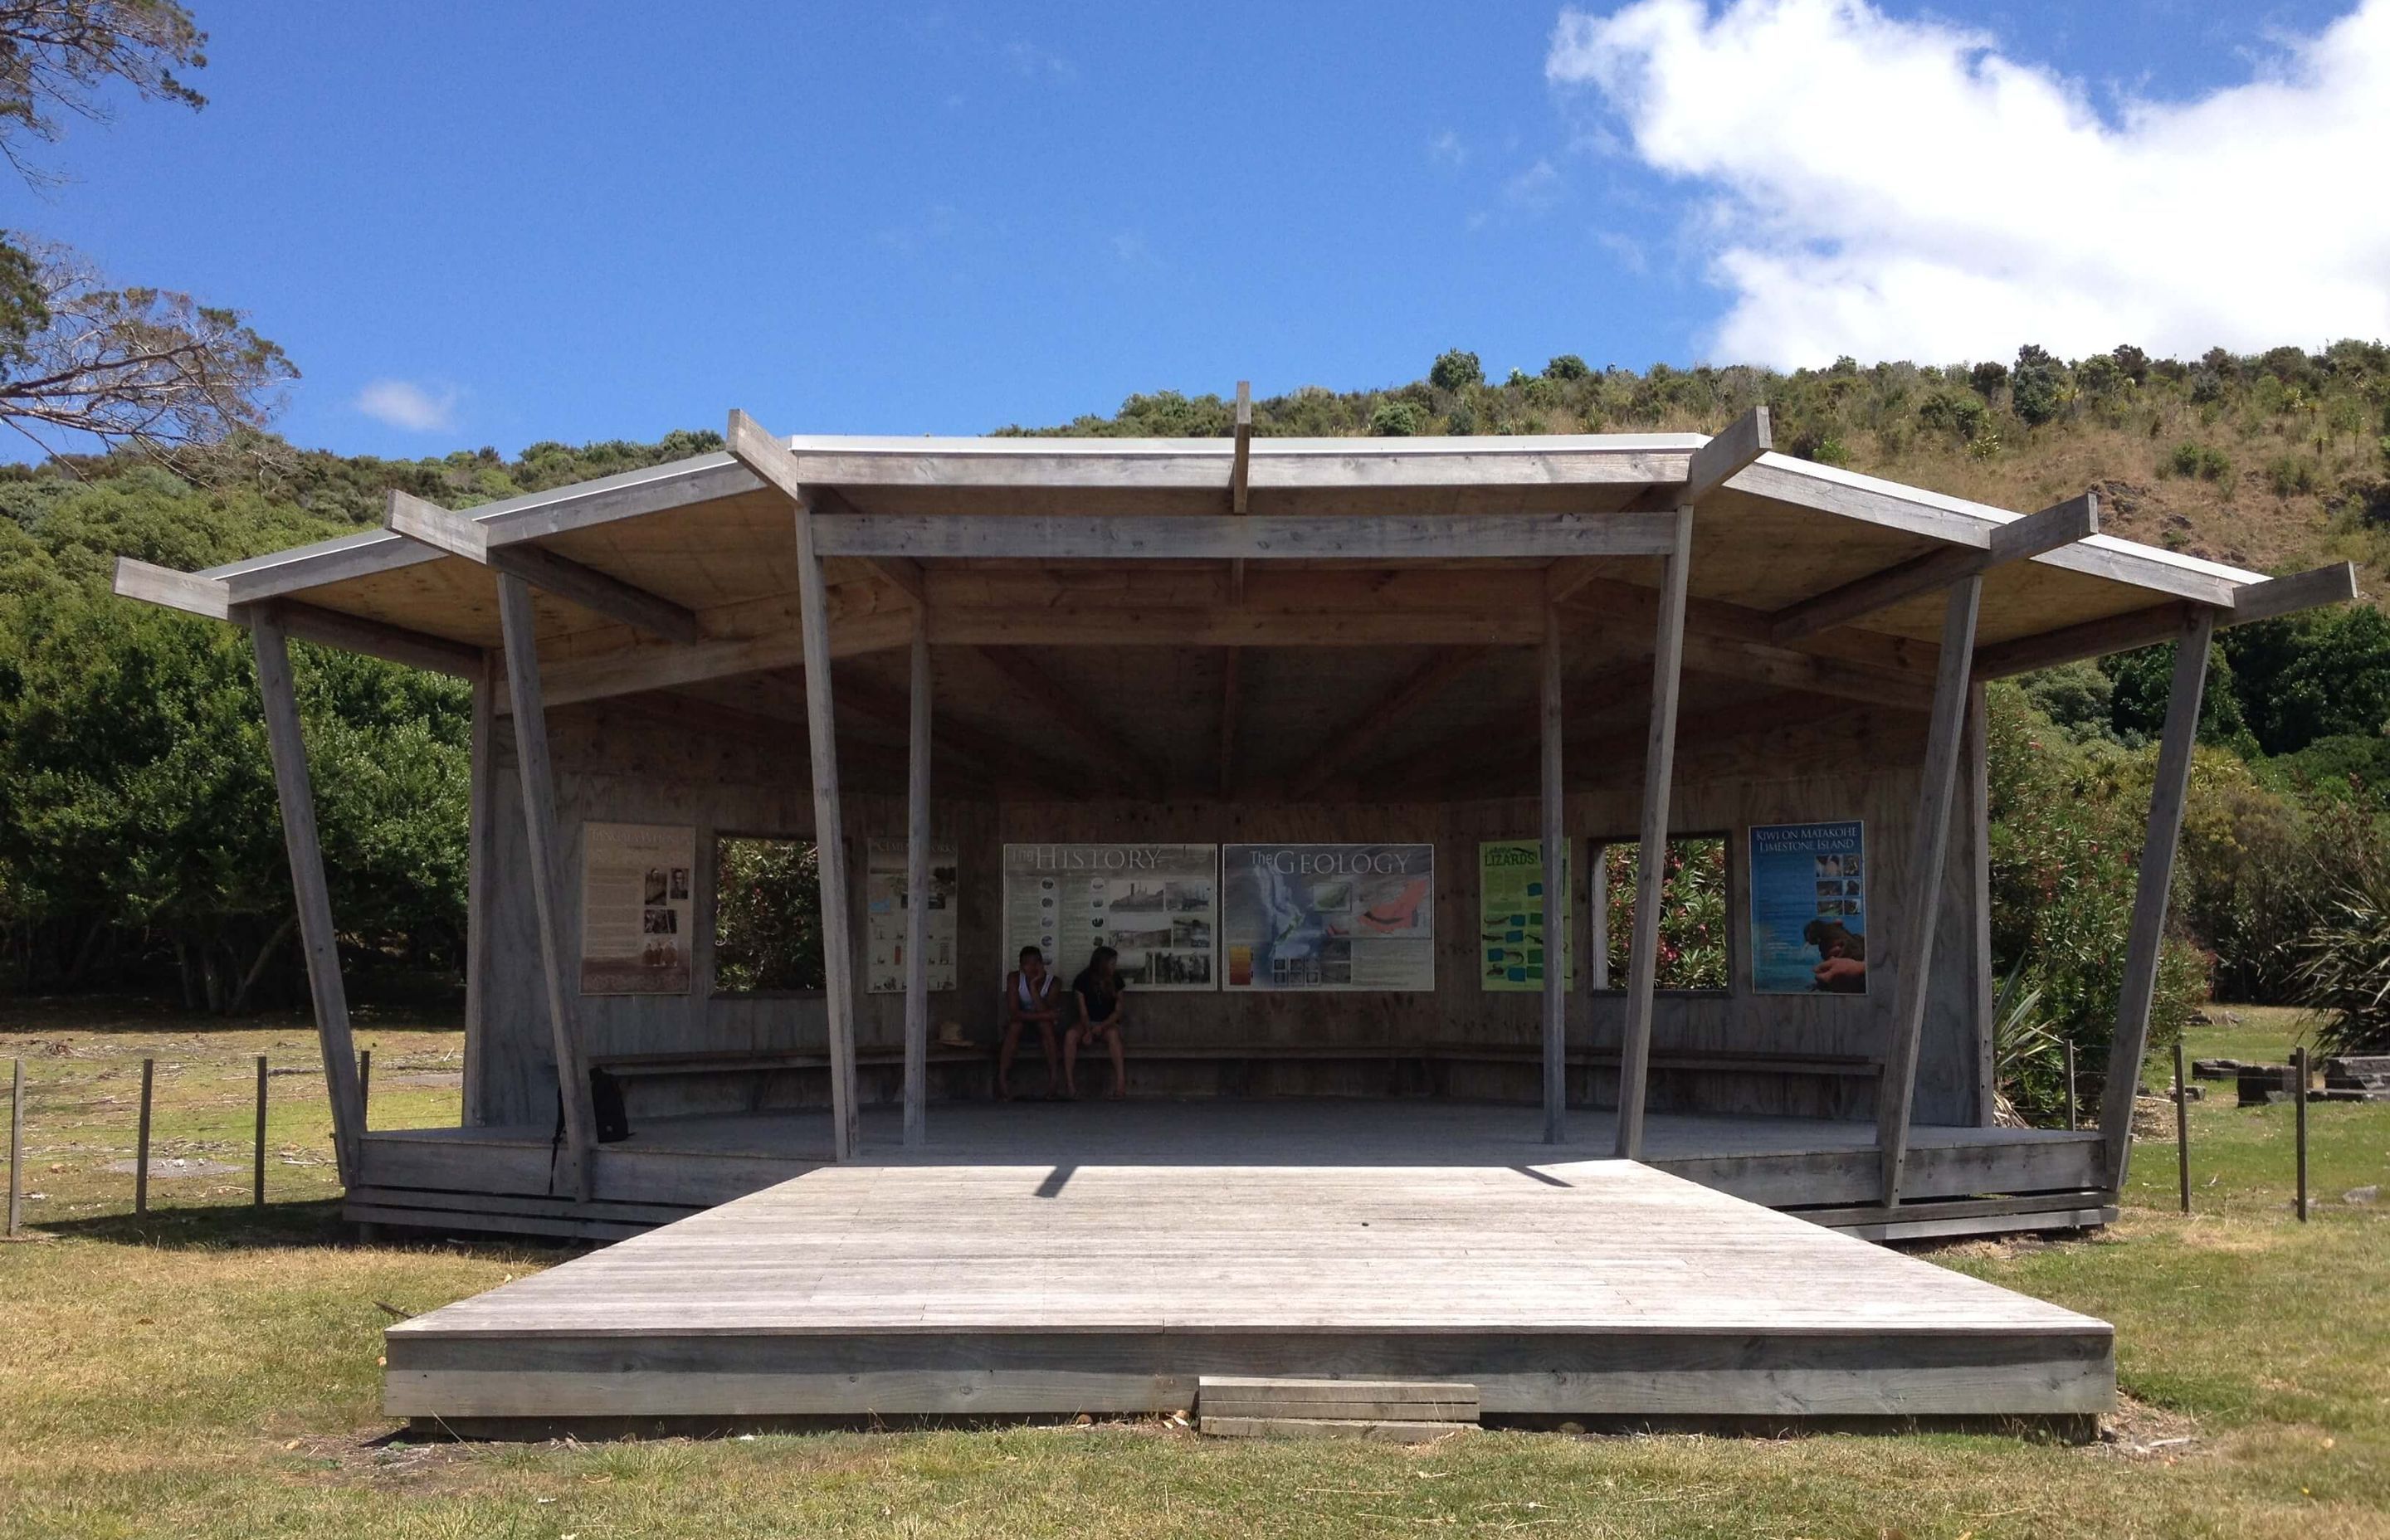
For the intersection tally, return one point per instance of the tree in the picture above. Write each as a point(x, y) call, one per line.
point(143, 365)
point(2036, 385)
point(1568, 366)
point(1397, 419)
point(1456, 371)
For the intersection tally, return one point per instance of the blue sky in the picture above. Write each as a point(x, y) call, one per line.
point(504, 222)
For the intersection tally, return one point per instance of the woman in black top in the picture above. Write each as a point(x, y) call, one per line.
point(1100, 989)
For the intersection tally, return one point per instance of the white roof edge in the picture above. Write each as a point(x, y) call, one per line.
point(1991, 514)
point(1223, 447)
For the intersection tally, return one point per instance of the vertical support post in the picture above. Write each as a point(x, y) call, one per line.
point(2071, 1102)
point(257, 1162)
point(2299, 1073)
point(15, 1145)
point(917, 895)
point(1555, 893)
point(365, 1088)
point(317, 940)
point(141, 1141)
point(515, 625)
point(1651, 856)
point(2181, 1127)
point(2155, 877)
point(481, 876)
point(1976, 768)
point(1929, 847)
point(829, 840)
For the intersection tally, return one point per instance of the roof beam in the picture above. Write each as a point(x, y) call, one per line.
point(1098, 738)
point(630, 670)
point(1371, 725)
point(461, 534)
point(903, 571)
point(2269, 599)
point(192, 593)
point(1724, 455)
point(1252, 537)
point(195, 593)
point(2030, 536)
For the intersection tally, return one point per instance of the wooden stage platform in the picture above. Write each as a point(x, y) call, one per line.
point(1591, 1288)
point(1958, 1181)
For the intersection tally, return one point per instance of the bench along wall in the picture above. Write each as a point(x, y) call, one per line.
point(615, 765)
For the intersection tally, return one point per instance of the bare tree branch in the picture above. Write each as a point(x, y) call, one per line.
point(57, 57)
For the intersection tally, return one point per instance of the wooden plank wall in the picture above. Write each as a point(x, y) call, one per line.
point(618, 766)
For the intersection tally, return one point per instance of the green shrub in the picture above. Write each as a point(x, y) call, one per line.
point(2290, 475)
point(1567, 366)
point(1397, 419)
point(2205, 462)
point(2343, 971)
point(1456, 371)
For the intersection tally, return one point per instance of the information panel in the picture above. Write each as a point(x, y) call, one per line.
point(1329, 917)
point(1511, 906)
point(885, 903)
point(1157, 906)
point(635, 908)
point(1809, 909)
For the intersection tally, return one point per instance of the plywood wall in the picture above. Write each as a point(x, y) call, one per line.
point(624, 767)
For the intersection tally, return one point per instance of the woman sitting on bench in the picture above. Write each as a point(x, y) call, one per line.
point(1028, 996)
point(1100, 990)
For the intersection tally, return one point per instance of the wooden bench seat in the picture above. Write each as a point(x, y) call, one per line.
point(632, 1066)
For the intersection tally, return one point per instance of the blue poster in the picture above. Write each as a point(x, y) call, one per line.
point(1809, 909)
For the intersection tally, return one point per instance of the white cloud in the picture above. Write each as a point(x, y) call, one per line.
point(1033, 62)
point(404, 403)
point(1130, 246)
point(1892, 188)
point(1537, 189)
point(1445, 148)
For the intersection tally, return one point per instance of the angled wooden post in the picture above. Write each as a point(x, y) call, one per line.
point(480, 881)
point(769, 459)
point(1929, 835)
point(1555, 886)
point(917, 896)
point(516, 624)
point(317, 940)
point(15, 1145)
point(141, 1141)
point(1651, 854)
point(2152, 882)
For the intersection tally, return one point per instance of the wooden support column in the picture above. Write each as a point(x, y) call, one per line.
point(1929, 835)
point(575, 1168)
point(1555, 891)
point(1651, 855)
point(769, 459)
point(917, 900)
point(2152, 885)
point(317, 939)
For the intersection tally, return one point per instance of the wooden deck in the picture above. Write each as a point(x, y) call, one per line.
point(1599, 1289)
point(1957, 1180)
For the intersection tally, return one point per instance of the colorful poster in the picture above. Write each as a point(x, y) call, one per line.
point(1329, 917)
point(1157, 906)
point(885, 914)
point(1511, 930)
point(1809, 909)
point(635, 936)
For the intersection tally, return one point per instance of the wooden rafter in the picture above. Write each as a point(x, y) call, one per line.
point(2063, 525)
point(460, 534)
point(1350, 742)
point(1096, 737)
point(1232, 537)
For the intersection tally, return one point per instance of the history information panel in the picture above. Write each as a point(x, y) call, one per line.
point(1157, 906)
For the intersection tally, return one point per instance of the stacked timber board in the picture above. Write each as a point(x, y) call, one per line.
point(1596, 1287)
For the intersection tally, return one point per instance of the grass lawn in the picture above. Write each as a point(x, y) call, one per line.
point(210, 1369)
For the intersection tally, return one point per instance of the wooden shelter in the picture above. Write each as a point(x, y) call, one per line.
point(1582, 640)
point(1295, 647)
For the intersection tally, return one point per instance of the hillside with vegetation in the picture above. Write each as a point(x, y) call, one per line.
point(139, 847)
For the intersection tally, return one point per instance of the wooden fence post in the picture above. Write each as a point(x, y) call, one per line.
point(15, 1145)
point(257, 1168)
point(141, 1152)
point(365, 1089)
point(2181, 1126)
point(2299, 1073)
point(2071, 1102)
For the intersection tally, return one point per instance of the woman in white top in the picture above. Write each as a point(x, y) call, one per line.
point(1029, 996)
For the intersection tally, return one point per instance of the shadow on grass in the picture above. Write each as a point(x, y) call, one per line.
point(429, 1009)
point(315, 1225)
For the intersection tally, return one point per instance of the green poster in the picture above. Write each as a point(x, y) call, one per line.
point(1510, 914)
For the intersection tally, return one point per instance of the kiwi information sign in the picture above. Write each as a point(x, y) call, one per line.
point(1809, 909)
